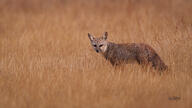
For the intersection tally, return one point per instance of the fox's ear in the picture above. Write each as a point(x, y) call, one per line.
point(105, 35)
point(90, 37)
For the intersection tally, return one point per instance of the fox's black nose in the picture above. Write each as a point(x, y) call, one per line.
point(97, 51)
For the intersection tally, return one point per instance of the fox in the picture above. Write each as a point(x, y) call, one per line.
point(123, 53)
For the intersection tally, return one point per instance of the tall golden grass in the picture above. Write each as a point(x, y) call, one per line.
point(46, 60)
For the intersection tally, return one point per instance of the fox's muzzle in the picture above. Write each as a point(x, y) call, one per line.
point(97, 51)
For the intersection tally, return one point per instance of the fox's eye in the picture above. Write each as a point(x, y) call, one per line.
point(95, 45)
point(101, 45)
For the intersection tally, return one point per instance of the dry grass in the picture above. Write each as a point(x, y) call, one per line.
point(46, 59)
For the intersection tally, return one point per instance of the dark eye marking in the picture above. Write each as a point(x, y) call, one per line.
point(101, 45)
point(95, 45)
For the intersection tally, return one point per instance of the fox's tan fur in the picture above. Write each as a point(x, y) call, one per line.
point(123, 53)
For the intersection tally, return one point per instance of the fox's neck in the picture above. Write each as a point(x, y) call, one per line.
point(108, 48)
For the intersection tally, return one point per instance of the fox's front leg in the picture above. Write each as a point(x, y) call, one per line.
point(113, 62)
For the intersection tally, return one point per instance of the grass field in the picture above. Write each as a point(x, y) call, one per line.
point(46, 60)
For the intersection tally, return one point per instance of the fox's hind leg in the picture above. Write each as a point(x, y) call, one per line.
point(138, 61)
point(141, 60)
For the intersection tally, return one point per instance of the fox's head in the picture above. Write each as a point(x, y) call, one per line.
point(99, 44)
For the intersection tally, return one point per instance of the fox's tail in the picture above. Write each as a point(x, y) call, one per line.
point(158, 63)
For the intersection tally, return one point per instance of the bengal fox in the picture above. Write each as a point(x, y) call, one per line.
point(123, 53)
